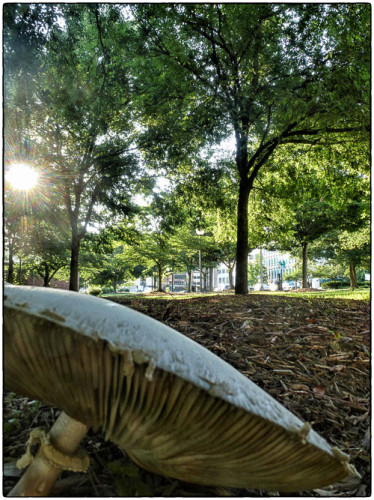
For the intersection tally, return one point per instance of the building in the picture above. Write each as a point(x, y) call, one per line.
point(223, 276)
point(273, 261)
point(37, 281)
point(180, 282)
point(278, 263)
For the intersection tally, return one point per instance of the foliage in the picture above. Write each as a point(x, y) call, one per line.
point(112, 269)
point(127, 478)
point(101, 97)
point(331, 294)
point(49, 250)
point(364, 284)
point(19, 419)
point(295, 276)
point(289, 75)
point(308, 198)
point(78, 102)
point(95, 290)
point(334, 284)
point(254, 272)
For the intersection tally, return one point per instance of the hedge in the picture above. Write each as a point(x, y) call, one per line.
point(363, 284)
point(335, 284)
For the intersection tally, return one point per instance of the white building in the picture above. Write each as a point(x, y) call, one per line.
point(275, 263)
point(223, 276)
point(278, 263)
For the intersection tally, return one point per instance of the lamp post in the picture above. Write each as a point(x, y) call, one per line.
point(200, 232)
point(261, 278)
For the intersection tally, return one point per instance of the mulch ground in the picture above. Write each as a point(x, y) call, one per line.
point(312, 355)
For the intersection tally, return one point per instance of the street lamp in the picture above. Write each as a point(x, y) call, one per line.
point(261, 276)
point(200, 232)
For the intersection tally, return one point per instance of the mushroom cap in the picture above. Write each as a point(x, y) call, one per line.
point(172, 405)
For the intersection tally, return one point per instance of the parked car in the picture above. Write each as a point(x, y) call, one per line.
point(221, 288)
point(287, 286)
point(257, 286)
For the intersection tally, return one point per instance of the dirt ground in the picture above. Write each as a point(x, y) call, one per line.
point(311, 354)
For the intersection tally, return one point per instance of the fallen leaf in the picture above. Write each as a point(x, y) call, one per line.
point(320, 390)
point(299, 387)
point(337, 368)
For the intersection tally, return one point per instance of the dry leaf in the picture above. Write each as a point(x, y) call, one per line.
point(320, 390)
point(337, 368)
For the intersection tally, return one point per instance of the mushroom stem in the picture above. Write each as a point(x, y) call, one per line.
point(41, 475)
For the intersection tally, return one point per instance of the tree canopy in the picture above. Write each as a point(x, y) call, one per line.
point(103, 98)
point(272, 74)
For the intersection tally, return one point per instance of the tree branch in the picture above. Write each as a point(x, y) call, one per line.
point(327, 130)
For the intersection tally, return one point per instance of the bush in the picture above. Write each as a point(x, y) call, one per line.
point(363, 284)
point(108, 289)
point(335, 284)
point(95, 290)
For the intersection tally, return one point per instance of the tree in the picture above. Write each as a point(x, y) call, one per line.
point(355, 250)
point(48, 251)
point(154, 249)
point(81, 121)
point(345, 251)
point(113, 269)
point(272, 74)
point(14, 222)
point(185, 246)
point(254, 272)
point(309, 193)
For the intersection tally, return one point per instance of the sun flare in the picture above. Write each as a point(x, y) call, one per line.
point(22, 177)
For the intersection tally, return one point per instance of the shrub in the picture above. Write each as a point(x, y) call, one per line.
point(95, 290)
point(334, 284)
point(363, 284)
point(108, 289)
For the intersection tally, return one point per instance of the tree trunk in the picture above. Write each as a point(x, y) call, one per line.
point(74, 264)
point(19, 273)
point(241, 287)
point(10, 276)
point(304, 246)
point(46, 277)
point(279, 282)
point(159, 278)
point(189, 280)
point(352, 275)
point(231, 284)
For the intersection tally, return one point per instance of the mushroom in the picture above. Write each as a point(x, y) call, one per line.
point(173, 406)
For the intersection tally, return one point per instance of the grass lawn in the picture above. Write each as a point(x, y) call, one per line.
point(347, 293)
